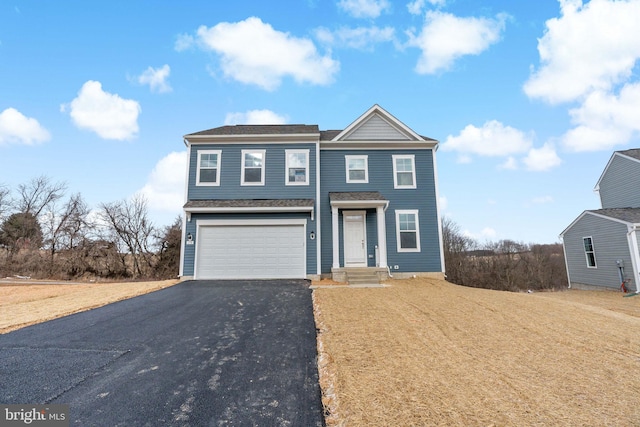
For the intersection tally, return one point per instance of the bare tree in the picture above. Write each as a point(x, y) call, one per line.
point(36, 195)
point(129, 225)
point(169, 241)
point(5, 200)
point(456, 249)
point(64, 225)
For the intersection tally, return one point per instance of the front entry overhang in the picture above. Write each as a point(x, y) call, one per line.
point(359, 200)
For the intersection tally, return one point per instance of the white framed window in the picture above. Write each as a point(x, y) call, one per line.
point(253, 162)
point(407, 231)
point(357, 169)
point(208, 173)
point(404, 171)
point(589, 251)
point(296, 167)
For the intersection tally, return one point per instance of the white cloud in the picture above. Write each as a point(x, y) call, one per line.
point(446, 37)
point(589, 47)
point(493, 139)
point(156, 78)
point(364, 8)
point(356, 38)
point(255, 117)
point(164, 189)
point(486, 233)
point(604, 120)
point(106, 114)
point(252, 52)
point(416, 7)
point(542, 159)
point(15, 127)
point(184, 42)
point(510, 164)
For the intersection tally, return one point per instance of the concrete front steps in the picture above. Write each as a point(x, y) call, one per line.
point(362, 277)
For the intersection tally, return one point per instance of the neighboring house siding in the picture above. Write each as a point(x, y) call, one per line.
point(610, 244)
point(620, 185)
point(376, 129)
point(231, 169)
point(422, 198)
point(191, 227)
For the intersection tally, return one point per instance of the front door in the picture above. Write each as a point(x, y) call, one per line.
point(355, 238)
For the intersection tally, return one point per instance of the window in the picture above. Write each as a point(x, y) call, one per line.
point(297, 167)
point(404, 171)
point(589, 252)
point(357, 169)
point(407, 231)
point(253, 167)
point(208, 167)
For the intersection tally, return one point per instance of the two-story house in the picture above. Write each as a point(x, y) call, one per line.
point(293, 201)
point(601, 246)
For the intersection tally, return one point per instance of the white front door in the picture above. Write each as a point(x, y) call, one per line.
point(355, 238)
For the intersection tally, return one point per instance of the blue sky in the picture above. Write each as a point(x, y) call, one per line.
point(528, 99)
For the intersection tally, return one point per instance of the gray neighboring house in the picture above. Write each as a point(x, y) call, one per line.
point(601, 246)
point(294, 201)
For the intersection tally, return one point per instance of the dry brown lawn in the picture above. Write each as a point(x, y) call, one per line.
point(426, 352)
point(23, 304)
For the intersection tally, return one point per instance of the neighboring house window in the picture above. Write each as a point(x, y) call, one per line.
point(357, 169)
point(404, 171)
point(407, 231)
point(253, 167)
point(589, 252)
point(297, 167)
point(208, 167)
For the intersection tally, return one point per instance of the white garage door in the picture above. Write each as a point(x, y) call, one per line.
point(251, 252)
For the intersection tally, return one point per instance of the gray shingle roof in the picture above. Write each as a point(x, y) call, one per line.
point(631, 215)
point(258, 130)
point(356, 195)
point(633, 152)
point(250, 203)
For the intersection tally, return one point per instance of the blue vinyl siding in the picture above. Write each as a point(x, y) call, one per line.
point(191, 227)
point(231, 169)
point(422, 198)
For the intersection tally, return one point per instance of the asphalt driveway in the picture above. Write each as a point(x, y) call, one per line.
point(198, 353)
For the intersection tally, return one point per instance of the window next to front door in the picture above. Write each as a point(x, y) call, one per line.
point(407, 231)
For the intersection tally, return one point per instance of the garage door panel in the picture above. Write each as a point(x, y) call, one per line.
point(251, 252)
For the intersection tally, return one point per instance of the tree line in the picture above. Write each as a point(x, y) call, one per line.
point(46, 232)
point(503, 265)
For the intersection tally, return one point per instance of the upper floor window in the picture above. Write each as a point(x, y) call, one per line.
point(357, 169)
point(297, 167)
point(253, 167)
point(404, 171)
point(407, 231)
point(208, 167)
point(589, 252)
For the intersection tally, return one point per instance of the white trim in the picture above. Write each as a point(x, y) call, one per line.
point(566, 263)
point(317, 207)
point(219, 222)
point(183, 244)
point(593, 250)
point(385, 115)
point(263, 168)
point(218, 154)
point(359, 204)
point(382, 236)
point(364, 157)
point(364, 261)
point(411, 157)
point(286, 167)
point(417, 231)
point(615, 153)
point(438, 214)
point(289, 138)
point(621, 221)
point(225, 209)
point(335, 236)
point(368, 145)
point(634, 252)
